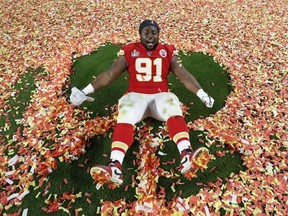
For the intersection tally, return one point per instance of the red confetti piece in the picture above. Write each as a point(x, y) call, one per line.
point(65, 181)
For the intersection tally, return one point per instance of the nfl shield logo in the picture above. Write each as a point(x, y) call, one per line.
point(163, 53)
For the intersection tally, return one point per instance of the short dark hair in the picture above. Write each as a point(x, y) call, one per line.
point(148, 22)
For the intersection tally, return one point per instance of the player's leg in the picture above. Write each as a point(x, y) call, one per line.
point(167, 108)
point(131, 109)
point(177, 129)
point(122, 139)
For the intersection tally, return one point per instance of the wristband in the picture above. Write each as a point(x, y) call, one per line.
point(200, 93)
point(88, 89)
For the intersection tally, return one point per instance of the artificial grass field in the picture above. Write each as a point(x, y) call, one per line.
point(73, 177)
point(39, 128)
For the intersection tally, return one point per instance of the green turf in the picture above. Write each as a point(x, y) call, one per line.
point(213, 78)
point(87, 67)
point(18, 102)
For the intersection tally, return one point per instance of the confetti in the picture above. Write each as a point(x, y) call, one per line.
point(25, 212)
point(248, 38)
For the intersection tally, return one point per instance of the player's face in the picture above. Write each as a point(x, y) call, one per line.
point(149, 37)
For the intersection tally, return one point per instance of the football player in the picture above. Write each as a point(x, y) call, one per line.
point(148, 63)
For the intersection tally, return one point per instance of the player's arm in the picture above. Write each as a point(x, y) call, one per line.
point(184, 76)
point(77, 96)
point(106, 77)
point(190, 81)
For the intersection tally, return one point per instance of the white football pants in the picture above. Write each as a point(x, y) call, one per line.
point(134, 107)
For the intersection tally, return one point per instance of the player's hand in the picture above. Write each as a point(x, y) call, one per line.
point(208, 101)
point(77, 97)
point(205, 98)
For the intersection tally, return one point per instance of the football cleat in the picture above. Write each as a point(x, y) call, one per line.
point(193, 160)
point(111, 174)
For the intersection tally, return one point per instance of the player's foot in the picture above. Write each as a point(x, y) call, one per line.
point(111, 174)
point(190, 159)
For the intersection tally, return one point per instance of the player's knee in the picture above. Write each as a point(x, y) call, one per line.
point(129, 111)
point(169, 106)
point(170, 111)
point(128, 115)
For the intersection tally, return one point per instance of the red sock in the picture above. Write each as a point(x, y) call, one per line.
point(178, 131)
point(122, 139)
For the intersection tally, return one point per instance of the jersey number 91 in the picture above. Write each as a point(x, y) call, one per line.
point(144, 68)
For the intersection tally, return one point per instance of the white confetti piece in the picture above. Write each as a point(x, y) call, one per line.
point(25, 212)
point(98, 186)
point(21, 196)
point(9, 173)
point(12, 196)
point(13, 160)
point(9, 181)
point(161, 153)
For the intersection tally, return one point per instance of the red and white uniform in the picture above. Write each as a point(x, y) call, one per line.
point(148, 94)
point(148, 69)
